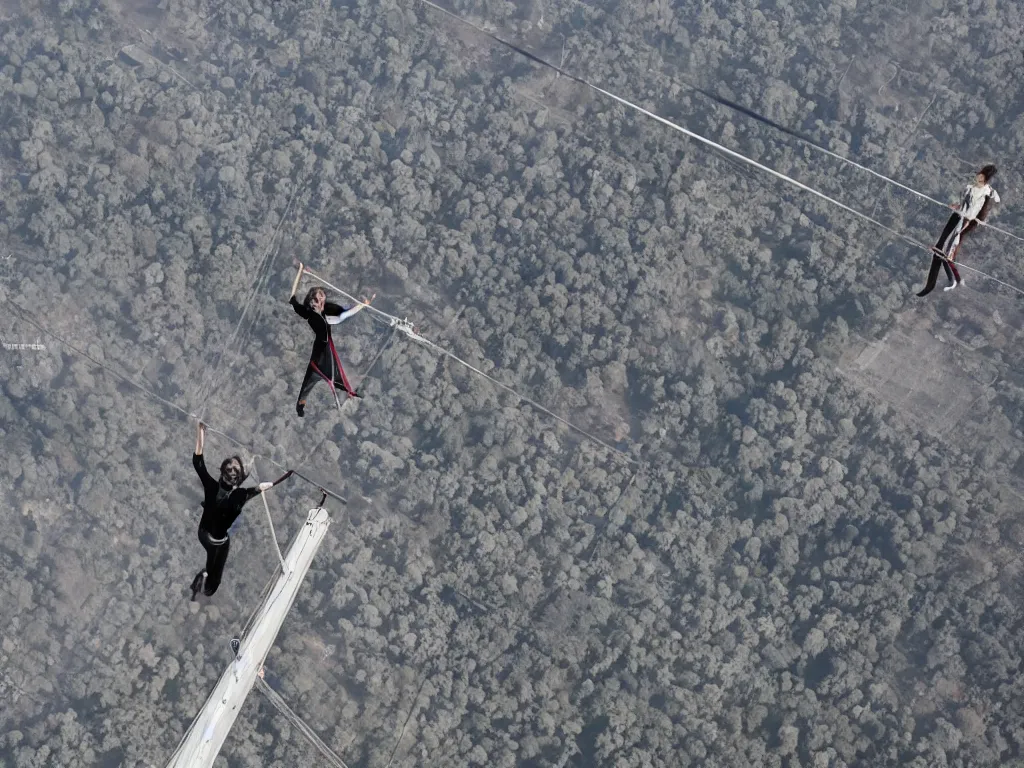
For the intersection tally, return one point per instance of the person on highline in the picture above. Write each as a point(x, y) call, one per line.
point(324, 362)
point(975, 204)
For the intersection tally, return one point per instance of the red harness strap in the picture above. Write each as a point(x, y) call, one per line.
point(329, 379)
point(337, 361)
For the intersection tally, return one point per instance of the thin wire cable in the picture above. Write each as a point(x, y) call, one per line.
point(380, 352)
point(961, 265)
point(596, 537)
point(270, 520)
point(403, 325)
point(817, 147)
point(279, 704)
point(408, 717)
point(53, 334)
point(704, 140)
point(263, 604)
point(154, 396)
point(262, 275)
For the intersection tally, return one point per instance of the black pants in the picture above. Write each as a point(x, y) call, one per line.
point(216, 557)
point(933, 274)
point(315, 374)
point(943, 242)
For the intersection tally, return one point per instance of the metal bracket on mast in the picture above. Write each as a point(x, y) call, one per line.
point(406, 327)
point(236, 661)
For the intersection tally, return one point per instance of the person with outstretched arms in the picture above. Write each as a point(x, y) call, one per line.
point(223, 500)
point(324, 362)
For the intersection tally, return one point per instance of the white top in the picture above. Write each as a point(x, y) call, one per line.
point(335, 319)
point(973, 199)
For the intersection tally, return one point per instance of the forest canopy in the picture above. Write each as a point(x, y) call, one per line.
point(802, 549)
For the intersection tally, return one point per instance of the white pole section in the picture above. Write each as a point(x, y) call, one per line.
point(203, 740)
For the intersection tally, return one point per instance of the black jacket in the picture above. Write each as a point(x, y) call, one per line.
point(220, 508)
point(320, 353)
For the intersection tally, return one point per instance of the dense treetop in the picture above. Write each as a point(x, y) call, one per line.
point(799, 558)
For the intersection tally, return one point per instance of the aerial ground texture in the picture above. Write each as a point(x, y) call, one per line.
point(800, 543)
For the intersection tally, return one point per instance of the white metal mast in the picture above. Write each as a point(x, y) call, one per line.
point(203, 740)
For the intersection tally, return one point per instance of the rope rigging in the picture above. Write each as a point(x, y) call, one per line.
point(270, 519)
point(24, 314)
point(279, 704)
point(263, 270)
point(708, 142)
point(269, 586)
point(404, 326)
point(207, 385)
point(818, 148)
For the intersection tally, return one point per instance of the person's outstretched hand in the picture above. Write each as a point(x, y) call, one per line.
point(298, 278)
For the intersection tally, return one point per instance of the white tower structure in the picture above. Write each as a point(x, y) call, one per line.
point(203, 740)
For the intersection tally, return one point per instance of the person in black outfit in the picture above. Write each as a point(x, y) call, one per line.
point(324, 362)
point(974, 205)
point(222, 504)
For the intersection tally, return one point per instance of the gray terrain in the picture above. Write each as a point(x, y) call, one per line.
point(784, 529)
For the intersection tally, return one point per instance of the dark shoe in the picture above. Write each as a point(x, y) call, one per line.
point(198, 583)
point(355, 394)
point(300, 408)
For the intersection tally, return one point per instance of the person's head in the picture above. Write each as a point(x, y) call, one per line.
point(315, 299)
point(232, 472)
point(985, 175)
